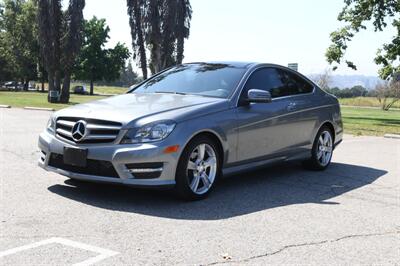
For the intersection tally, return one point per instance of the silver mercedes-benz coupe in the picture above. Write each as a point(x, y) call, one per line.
point(187, 126)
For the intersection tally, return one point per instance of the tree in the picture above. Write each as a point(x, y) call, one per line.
point(5, 53)
point(19, 46)
point(184, 15)
point(168, 27)
point(127, 78)
point(388, 93)
point(136, 16)
point(389, 54)
point(60, 35)
point(49, 18)
point(95, 62)
point(358, 91)
point(323, 80)
point(355, 14)
point(161, 27)
point(71, 43)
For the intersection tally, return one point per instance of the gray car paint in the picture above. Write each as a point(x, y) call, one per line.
point(250, 135)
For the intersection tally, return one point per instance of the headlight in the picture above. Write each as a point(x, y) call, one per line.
point(149, 133)
point(51, 124)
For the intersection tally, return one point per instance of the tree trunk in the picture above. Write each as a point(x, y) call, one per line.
point(51, 87)
point(155, 37)
point(156, 60)
point(168, 42)
point(180, 40)
point(65, 88)
point(91, 87)
point(143, 60)
point(179, 50)
point(26, 85)
point(72, 44)
point(56, 32)
point(140, 37)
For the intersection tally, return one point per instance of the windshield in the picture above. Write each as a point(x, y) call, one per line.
point(215, 80)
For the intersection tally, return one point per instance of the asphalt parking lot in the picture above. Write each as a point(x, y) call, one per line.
point(349, 214)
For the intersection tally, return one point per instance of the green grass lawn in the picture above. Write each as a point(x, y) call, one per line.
point(97, 89)
point(37, 99)
point(357, 121)
point(108, 90)
point(363, 121)
point(365, 102)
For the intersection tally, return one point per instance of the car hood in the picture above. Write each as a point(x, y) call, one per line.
point(128, 107)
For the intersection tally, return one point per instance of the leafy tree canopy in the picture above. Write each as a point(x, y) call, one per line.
point(159, 28)
point(95, 61)
point(356, 14)
point(19, 47)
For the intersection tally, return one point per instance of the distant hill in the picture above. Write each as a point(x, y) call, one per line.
point(348, 81)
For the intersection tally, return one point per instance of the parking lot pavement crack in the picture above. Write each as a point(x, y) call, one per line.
point(322, 242)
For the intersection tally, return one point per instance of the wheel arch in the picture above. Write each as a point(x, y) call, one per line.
point(213, 136)
point(330, 125)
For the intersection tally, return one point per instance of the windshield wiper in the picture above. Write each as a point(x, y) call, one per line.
point(171, 92)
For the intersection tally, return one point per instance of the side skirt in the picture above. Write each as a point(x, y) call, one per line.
point(228, 171)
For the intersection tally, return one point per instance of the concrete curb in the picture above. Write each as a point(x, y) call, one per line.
point(4, 106)
point(392, 136)
point(38, 108)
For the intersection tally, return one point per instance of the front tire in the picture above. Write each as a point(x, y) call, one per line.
point(198, 169)
point(322, 150)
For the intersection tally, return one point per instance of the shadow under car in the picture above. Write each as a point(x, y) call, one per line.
point(237, 195)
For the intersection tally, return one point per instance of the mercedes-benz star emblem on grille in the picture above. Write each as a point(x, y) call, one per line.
point(79, 130)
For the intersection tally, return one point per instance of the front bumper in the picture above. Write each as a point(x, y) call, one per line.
point(119, 156)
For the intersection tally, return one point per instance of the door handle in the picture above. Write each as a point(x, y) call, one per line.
point(291, 107)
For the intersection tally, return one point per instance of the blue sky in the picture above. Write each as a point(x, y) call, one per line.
point(274, 31)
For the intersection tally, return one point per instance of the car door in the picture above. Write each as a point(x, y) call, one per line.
point(265, 129)
point(301, 108)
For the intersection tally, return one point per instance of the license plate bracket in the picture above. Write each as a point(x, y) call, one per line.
point(75, 156)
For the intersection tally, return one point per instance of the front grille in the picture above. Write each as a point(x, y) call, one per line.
point(93, 167)
point(98, 131)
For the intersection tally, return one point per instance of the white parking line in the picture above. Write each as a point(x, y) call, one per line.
point(103, 253)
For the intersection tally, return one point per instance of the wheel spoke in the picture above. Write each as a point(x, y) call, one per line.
point(195, 183)
point(323, 157)
point(321, 140)
point(202, 168)
point(327, 156)
point(206, 180)
point(202, 149)
point(191, 165)
point(328, 149)
point(209, 162)
point(326, 138)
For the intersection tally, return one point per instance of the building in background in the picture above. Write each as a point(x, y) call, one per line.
point(294, 66)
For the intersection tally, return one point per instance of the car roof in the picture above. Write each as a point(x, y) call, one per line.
point(240, 64)
point(237, 64)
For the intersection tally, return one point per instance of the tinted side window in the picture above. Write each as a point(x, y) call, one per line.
point(295, 84)
point(269, 79)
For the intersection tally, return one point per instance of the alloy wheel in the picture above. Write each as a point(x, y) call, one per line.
point(324, 148)
point(202, 168)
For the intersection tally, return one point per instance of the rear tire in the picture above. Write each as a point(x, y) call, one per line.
point(198, 169)
point(322, 150)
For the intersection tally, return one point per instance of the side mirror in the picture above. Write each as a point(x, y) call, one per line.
point(258, 96)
